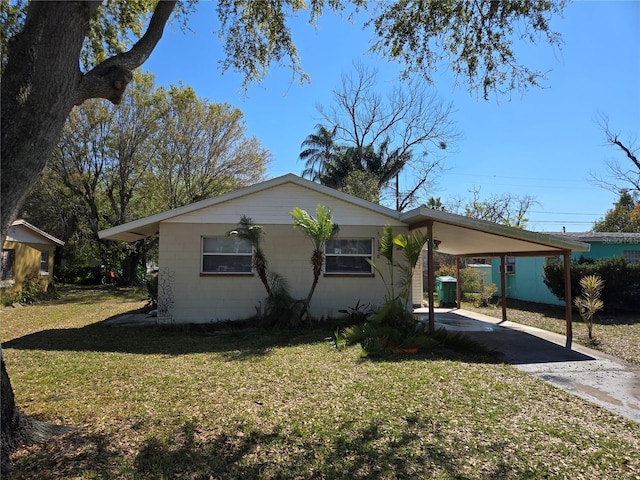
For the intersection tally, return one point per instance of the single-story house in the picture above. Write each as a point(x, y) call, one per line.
point(206, 276)
point(525, 275)
point(27, 254)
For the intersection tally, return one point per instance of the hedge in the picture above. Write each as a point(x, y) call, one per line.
point(621, 280)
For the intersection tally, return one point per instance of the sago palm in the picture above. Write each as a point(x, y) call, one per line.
point(319, 230)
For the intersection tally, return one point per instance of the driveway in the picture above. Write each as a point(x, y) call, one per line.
point(587, 373)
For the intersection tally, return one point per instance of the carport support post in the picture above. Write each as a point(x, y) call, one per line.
point(567, 296)
point(503, 286)
point(430, 278)
point(458, 284)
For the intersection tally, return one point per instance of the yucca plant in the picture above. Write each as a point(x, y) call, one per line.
point(590, 302)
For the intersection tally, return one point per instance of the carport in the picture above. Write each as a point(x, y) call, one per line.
point(467, 237)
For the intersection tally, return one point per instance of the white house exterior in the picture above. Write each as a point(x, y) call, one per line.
point(190, 292)
point(206, 276)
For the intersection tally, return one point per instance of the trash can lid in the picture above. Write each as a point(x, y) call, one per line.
point(446, 278)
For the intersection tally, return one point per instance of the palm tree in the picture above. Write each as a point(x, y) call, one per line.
point(320, 230)
point(411, 246)
point(249, 231)
point(318, 151)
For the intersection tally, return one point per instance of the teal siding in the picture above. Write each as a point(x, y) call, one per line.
point(527, 282)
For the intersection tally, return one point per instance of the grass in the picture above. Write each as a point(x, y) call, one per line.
point(246, 403)
point(615, 334)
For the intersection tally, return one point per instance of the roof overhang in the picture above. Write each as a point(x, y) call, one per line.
point(464, 236)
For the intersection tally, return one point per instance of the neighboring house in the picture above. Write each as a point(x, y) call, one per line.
point(525, 275)
point(205, 276)
point(27, 254)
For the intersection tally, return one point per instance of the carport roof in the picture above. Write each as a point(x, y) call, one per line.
point(464, 236)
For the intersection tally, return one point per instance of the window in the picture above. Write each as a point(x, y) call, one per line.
point(632, 256)
point(44, 263)
point(226, 255)
point(6, 262)
point(510, 265)
point(349, 256)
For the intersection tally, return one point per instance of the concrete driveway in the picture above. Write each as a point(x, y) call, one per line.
point(587, 373)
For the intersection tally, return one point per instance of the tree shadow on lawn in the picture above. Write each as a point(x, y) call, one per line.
point(365, 450)
point(98, 337)
point(235, 340)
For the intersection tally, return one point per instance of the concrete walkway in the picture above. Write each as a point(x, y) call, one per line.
point(587, 373)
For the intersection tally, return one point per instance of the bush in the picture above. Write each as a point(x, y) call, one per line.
point(79, 274)
point(470, 279)
point(621, 280)
point(32, 292)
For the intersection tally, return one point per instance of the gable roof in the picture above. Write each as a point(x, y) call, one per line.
point(23, 232)
point(459, 235)
point(145, 227)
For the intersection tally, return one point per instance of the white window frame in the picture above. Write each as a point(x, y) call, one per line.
point(44, 259)
point(239, 249)
point(334, 251)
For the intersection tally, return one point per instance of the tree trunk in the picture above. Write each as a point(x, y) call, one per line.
point(10, 419)
point(38, 90)
point(40, 85)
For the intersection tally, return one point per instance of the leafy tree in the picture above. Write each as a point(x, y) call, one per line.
point(474, 38)
point(158, 150)
point(319, 230)
point(623, 217)
point(202, 151)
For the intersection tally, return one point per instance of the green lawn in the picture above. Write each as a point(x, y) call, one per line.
point(246, 403)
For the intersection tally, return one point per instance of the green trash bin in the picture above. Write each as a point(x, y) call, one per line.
point(446, 287)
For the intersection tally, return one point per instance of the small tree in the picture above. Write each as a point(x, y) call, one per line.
point(320, 230)
point(589, 303)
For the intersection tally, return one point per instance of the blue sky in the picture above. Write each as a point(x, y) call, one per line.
point(543, 142)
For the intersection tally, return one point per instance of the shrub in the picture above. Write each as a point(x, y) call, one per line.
point(79, 274)
point(621, 280)
point(32, 292)
point(152, 291)
point(470, 279)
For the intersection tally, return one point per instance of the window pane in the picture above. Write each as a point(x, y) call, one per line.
point(44, 262)
point(225, 245)
point(632, 256)
point(7, 265)
point(226, 264)
point(346, 264)
point(349, 247)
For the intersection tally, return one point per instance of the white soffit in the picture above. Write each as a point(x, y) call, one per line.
point(459, 235)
